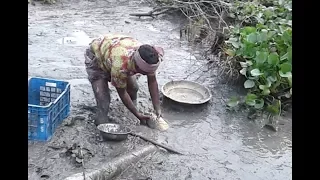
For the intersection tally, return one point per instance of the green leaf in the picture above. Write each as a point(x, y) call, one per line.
point(261, 26)
point(233, 102)
point(285, 75)
point(273, 59)
point(249, 63)
point(251, 99)
point(249, 30)
point(271, 34)
point(274, 108)
point(285, 67)
point(288, 95)
point(248, 51)
point(249, 84)
point(289, 54)
point(287, 36)
point(243, 64)
point(243, 71)
point(259, 14)
point(263, 87)
point(246, 64)
point(272, 79)
point(259, 103)
point(252, 38)
point(253, 77)
point(269, 83)
point(289, 22)
point(281, 28)
point(261, 57)
point(255, 72)
point(290, 81)
point(284, 57)
point(260, 20)
point(268, 13)
point(281, 2)
point(263, 35)
point(265, 92)
point(234, 42)
point(230, 52)
point(232, 15)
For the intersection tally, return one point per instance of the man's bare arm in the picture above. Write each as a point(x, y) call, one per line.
point(154, 92)
point(126, 100)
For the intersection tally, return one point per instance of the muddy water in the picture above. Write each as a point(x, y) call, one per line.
point(218, 144)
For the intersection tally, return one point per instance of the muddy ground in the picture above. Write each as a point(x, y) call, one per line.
point(218, 144)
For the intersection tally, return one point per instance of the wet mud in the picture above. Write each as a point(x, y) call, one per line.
point(217, 144)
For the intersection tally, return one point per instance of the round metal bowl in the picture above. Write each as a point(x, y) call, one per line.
point(113, 132)
point(186, 92)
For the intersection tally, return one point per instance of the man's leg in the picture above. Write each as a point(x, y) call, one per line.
point(102, 95)
point(99, 83)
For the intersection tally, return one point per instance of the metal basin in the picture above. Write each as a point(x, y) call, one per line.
point(186, 92)
point(113, 132)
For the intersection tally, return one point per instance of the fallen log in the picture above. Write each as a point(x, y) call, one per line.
point(155, 12)
point(115, 167)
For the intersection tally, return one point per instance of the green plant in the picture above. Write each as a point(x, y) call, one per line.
point(264, 50)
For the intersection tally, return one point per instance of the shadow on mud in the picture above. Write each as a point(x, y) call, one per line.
point(170, 105)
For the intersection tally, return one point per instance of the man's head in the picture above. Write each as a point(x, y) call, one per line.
point(147, 59)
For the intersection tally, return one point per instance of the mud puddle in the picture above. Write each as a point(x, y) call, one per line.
point(218, 144)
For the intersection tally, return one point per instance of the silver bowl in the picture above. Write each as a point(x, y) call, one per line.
point(186, 92)
point(113, 132)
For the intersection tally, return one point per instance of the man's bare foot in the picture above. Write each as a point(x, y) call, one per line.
point(99, 121)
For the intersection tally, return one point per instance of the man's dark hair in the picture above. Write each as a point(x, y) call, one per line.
point(148, 54)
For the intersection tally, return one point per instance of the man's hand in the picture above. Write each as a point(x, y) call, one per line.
point(143, 118)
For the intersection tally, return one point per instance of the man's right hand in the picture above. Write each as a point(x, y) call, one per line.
point(143, 118)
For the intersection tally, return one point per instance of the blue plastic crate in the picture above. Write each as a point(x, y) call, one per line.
point(48, 106)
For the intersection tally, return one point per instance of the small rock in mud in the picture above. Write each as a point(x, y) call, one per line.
point(44, 176)
point(88, 108)
point(77, 154)
point(160, 162)
point(38, 170)
point(40, 34)
point(57, 156)
point(139, 165)
point(252, 115)
point(79, 160)
point(71, 121)
point(271, 127)
point(80, 118)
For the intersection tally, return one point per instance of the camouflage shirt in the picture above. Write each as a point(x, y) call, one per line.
point(114, 54)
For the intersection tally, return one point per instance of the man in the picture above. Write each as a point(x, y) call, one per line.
point(117, 59)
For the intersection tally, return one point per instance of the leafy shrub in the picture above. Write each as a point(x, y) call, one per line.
point(262, 44)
